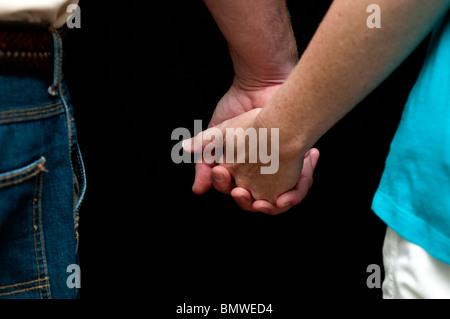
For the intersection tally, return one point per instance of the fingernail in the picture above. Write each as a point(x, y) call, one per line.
point(186, 144)
point(287, 204)
point(218, 177)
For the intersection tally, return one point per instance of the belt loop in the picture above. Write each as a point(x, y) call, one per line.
point(57, 62)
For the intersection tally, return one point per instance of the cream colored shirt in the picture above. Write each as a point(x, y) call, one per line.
point(54, 12)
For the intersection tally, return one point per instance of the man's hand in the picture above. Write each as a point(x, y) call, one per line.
point(222, 180)
point(264, 52)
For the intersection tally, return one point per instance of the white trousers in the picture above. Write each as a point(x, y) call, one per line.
point(411, 273)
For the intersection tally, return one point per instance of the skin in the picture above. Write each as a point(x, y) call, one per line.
point(343, 63)
point(260, 69)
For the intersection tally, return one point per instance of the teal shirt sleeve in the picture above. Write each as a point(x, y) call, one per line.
point(413, 197)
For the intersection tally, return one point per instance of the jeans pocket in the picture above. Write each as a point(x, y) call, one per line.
point(23, 272)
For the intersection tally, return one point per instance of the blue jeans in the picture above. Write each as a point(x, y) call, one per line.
point(42, 183)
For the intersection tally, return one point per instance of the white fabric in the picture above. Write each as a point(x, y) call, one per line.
point(36, 11)
point(411, 273)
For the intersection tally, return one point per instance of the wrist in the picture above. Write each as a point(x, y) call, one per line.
point(260, 73)
point(291, 144)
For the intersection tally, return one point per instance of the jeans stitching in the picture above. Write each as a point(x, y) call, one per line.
point(41, 236)
point(40, 287)
point(82, 182)
point(27, 173)
point(30, 109)
point(37, 226)
point(23, 283)
point(29, 115)
point(34, 232)
point(45, 111)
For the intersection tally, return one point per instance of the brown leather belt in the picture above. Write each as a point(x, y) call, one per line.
point(26, 48)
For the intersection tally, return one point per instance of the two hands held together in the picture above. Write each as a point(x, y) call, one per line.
point(264, 53)
point(237, 173)
point(300, 99)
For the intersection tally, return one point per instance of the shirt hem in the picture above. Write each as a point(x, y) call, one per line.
point(411, 227)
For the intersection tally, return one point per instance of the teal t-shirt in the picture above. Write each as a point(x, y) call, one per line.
point(413, 197)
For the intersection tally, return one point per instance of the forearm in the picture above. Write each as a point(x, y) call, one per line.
point(343, 63)
point(259, 36)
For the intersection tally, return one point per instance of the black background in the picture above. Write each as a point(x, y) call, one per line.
point(138, 72)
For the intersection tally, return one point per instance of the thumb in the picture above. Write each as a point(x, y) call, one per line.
point(198, 143)
point(217, 133)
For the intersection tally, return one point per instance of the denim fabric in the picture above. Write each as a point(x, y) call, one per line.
point(40, 164)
